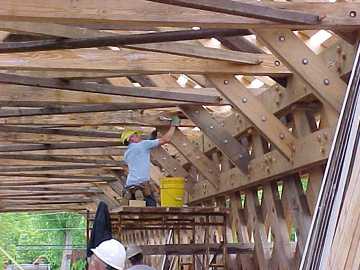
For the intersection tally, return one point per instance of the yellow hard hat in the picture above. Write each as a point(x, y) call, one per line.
point(127, 133)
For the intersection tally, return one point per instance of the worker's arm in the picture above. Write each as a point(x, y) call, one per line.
point(166, 138)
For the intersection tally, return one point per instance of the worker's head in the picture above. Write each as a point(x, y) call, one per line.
point(134, 254)
point(130, 136)
point(109, 255)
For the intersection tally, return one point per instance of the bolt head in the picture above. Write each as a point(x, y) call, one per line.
point(226, 82)
point(211, 127)
point(244, 100)
point(352, 14)
point(226, 141)
point(277, 63)
point(305, 61)
point(282, 136)
point(281, 38)
point(326, 81)
point(263, 118)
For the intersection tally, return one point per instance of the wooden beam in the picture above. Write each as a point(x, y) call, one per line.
point(106, 89)
point(51, 158)
point(130, 62)
point(30, 147)
point(27, 96)
point(328, 87)
point(273, 165)
point(237, 153)
point(49, 176)
point(177, 48)
point(52, 110)
point(89, 152)
point(168, 163)
point(196, 157)
point(190, 249)
point(126, 13)
point(59, 131)
point(247, 10)
point(113, 40)
point(244, 101)
point(132, 118)
point(47, 168)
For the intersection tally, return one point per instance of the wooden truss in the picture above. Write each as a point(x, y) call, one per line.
point(258, 96)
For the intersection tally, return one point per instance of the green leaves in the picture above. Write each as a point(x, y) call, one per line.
point(26, 236)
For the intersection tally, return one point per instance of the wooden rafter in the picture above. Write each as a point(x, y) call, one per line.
point(247, 10)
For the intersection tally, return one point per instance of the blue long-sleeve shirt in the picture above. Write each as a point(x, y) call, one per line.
point(137, 157)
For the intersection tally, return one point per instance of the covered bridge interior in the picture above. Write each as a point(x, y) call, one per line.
point(259, 87)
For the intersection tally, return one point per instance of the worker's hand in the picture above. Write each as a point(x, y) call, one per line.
point(175, 120)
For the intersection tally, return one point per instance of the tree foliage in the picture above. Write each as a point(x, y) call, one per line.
point(19, 232)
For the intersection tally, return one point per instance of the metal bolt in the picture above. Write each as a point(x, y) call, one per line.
point(322, 150)
point(175, 169)
point(244, 100)
point(184, 144)
point(263, 118)
point(305, 61)
point(211, 127)
point(226, 82)
point(277, 63)
point(164, 158)
point(241, 156)
point(326, 81)
point(282, 38)
point(282, 136)
point(226, 141)
point(352, 14)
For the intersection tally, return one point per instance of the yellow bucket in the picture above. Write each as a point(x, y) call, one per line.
point(172, 191)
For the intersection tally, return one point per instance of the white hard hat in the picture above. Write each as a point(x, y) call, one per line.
point(132, 251)
point(111, 252)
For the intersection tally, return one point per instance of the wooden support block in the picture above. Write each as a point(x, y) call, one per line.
point(137, 203)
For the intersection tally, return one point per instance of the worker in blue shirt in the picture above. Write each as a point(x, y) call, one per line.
point(137, 158)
